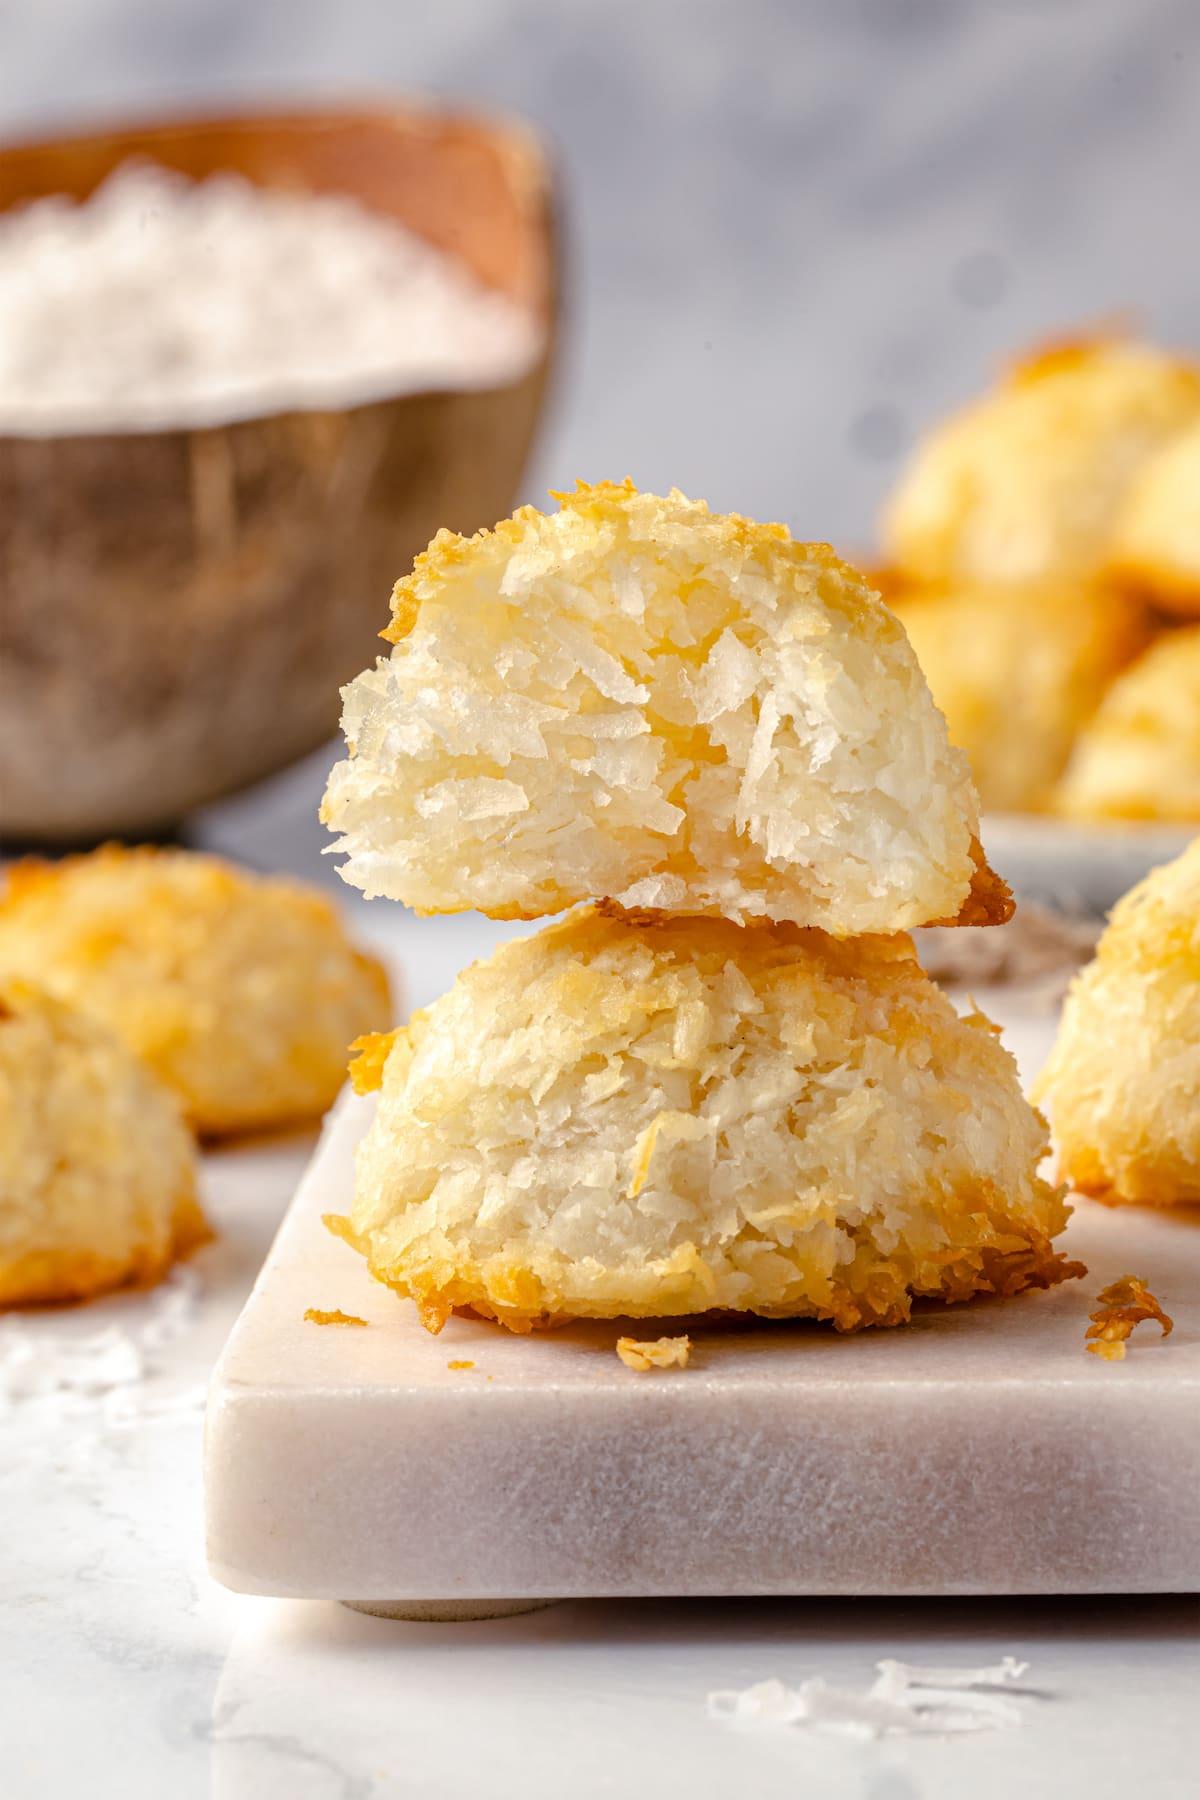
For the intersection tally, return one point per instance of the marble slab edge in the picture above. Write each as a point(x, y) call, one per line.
point(978, 1451)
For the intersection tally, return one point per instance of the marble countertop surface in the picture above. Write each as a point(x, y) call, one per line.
point(128, 1674)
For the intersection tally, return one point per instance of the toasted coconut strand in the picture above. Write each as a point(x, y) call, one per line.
point(654, 1353)
point(368, 1054)
point(432, 1310)
point(1122, 1305)
point(1041, 1266)
point(990, 899)
point(952, 1279)
point(636, 697)
point(339, 1226)
point(319, 1316)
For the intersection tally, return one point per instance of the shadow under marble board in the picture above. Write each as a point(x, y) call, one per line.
point(978, 1450)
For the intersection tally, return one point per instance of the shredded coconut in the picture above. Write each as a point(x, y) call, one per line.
point(161, 301)
point(132, 1406)
point(913, 1675)
point(45, 1371)
point(1122, 1305)
point(902, 1700)
point(35, 1367)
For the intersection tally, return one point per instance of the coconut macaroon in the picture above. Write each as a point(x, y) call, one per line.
point(1024, 484)
point(1156, 537)
point(636, 698)
point(1121, 1084)
point(1017, 671)
point(1139, 756)
point(97, 1169)
point(241, 993)
point(663, 1116)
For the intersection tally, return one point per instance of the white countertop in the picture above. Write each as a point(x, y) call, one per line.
point(128, 1673)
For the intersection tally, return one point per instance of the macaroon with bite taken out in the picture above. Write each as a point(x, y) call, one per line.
point(636, 699)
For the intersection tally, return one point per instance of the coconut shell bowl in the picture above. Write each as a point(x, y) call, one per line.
point(178, 608)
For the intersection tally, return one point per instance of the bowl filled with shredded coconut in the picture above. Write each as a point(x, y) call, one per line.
point(247, 369)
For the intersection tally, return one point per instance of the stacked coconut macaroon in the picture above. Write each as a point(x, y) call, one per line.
point(1043, 550)
point(721, 1081)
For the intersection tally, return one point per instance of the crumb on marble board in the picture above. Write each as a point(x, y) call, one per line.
point(1120, 1306)
point(460, 1363)
point(654, 1353)
point(336, 1317)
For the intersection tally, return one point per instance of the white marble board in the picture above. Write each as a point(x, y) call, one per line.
point(977, 1451)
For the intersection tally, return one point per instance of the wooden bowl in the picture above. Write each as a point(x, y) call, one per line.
point(178, 608)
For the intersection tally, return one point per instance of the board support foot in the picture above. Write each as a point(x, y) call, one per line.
point(446, 1612)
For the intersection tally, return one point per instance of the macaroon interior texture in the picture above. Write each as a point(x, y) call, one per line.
point(670, 1115)
point(638, 699)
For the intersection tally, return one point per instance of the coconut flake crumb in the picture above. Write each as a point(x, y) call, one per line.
point(172, 1310)
point(1121, 1306)
point(335, 1317)
point(903, 1700)
point(132, 1406)
point(901, 1675)
point(654, 1353)
point(35, 1367)
point(161, 301)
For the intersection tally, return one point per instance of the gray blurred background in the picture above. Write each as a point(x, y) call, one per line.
point(797, 232)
